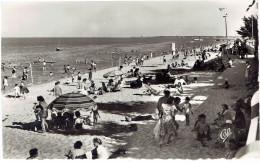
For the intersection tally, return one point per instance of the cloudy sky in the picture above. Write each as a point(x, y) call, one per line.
point(120, 19)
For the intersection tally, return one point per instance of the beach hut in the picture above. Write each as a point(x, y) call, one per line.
point(113, 73)
point(72, 101)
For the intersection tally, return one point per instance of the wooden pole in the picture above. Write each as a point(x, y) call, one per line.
point(31, 72)
point(112, 59)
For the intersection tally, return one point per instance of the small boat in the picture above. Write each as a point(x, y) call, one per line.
point(58, 47)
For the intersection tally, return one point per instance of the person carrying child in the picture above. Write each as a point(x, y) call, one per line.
point(187, 110)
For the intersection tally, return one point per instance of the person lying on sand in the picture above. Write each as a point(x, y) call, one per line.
point(150, 90)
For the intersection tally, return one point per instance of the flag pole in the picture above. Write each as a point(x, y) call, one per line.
point(31, 72)
point(225, 16)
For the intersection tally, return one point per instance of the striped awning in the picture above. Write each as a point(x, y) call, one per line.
point(72, 101)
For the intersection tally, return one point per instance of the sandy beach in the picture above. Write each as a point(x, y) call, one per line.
point(17, 141)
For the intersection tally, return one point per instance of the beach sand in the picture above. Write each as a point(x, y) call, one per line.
point(17, 142)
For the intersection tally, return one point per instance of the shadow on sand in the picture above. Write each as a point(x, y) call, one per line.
point(106, 129)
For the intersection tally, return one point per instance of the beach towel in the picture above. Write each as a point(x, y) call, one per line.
point(156, 130)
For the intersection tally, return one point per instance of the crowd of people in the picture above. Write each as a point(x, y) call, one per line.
point(168, 106)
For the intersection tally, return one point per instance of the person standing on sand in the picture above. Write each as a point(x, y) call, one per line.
point(162, 100)
point(86, 60)
point(44, 66)
point(17, 91)
point(14, 72)
point(43, 113)
point(164, 60)
point(187, 109)
point(90, 75)
point(65, 69)
point(79, 80)
point(5, 83)
point(94, 110)
point(168, 121)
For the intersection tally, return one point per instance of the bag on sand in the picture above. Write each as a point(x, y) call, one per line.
point(156, 131)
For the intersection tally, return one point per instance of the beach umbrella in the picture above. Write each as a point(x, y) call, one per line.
point(72, 101)
point(113, 73)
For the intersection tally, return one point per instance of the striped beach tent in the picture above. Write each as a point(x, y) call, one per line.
point(252, 148)
point(72, 101)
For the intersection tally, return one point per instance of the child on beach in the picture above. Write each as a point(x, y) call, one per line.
point(187, 109)
point(203, 130)
point(23, 90)
point(17, 90)
point(95, 114)
point(5, 83)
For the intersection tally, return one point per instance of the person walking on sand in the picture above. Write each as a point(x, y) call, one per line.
point(43, 113)
point(168, 121)
point(187, 109)
point(5, 83)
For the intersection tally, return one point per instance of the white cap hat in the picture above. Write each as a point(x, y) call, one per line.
point(229, 121)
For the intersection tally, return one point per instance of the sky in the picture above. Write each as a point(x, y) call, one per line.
point(120, 18)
